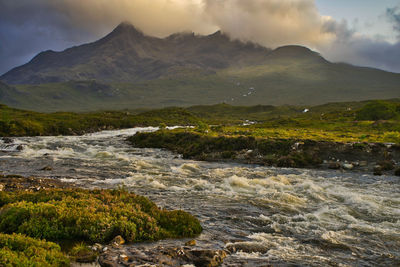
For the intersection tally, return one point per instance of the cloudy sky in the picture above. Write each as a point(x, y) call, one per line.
point(361, 32)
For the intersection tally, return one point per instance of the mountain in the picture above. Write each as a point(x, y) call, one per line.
point(128, 69)
point(127, 55)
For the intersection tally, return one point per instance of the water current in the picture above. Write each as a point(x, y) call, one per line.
point(262, 215)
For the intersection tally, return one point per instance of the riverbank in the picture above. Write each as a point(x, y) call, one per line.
point(15, 122)
point(84, 223)
point(377, 158)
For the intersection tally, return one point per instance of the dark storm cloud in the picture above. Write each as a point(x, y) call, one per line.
point(28, 27)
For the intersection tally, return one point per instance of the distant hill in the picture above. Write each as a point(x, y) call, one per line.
point(128, 69)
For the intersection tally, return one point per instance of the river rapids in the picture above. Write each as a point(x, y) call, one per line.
point(261, 215)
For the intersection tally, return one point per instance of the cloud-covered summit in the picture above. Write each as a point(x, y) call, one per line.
point(28, 27)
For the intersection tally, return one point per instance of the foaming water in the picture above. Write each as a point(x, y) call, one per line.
point(261, 215)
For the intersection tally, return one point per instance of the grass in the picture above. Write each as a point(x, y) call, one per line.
point(368, 121)
point(15, 122)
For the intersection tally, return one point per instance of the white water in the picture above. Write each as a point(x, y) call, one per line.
point(263, 215)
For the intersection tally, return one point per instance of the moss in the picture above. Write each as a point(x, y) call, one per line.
point(93, 216)
point(19, 250)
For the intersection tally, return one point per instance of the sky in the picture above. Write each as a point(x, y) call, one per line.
point(359, 32)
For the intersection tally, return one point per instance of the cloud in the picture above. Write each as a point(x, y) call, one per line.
point(28, 27)
point(393, 14)
point(271, 23)
point(351, 47)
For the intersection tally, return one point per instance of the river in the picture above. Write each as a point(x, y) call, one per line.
point(262, 215)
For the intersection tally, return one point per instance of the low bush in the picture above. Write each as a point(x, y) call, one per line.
point(20, 251)
point(377, 110)
point(93, 216)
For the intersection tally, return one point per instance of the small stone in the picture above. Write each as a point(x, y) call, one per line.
point(46, 168)
point(191, 243)
point(118, 240)
point(20, 148)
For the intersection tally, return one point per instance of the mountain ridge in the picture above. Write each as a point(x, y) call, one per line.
point(128, 69)
point(127, 51)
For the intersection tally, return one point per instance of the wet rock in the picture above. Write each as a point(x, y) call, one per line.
point(386, 165)
point(46, 168)
point(123, 258)
point(378, 170)
point(118, 240)
point(348, 166)
point(363, 163)
point(206, 258)
point(161, 256)
point(334, 165)
point(108, 262)
point(191, 243)
point(20, 148)
point(397, 172)
point(16, 182)
point(7, 140)
point(247, 247)
point(97, 247)
point(86, 257)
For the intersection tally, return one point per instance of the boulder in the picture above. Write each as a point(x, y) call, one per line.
point(7, 140)
point(191, 243)
point(334, 165)
point(378, 170)
point(46, 168)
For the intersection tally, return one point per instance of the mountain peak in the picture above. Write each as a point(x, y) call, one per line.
point(294, 51)
point(127, 28)
point(218, 34)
